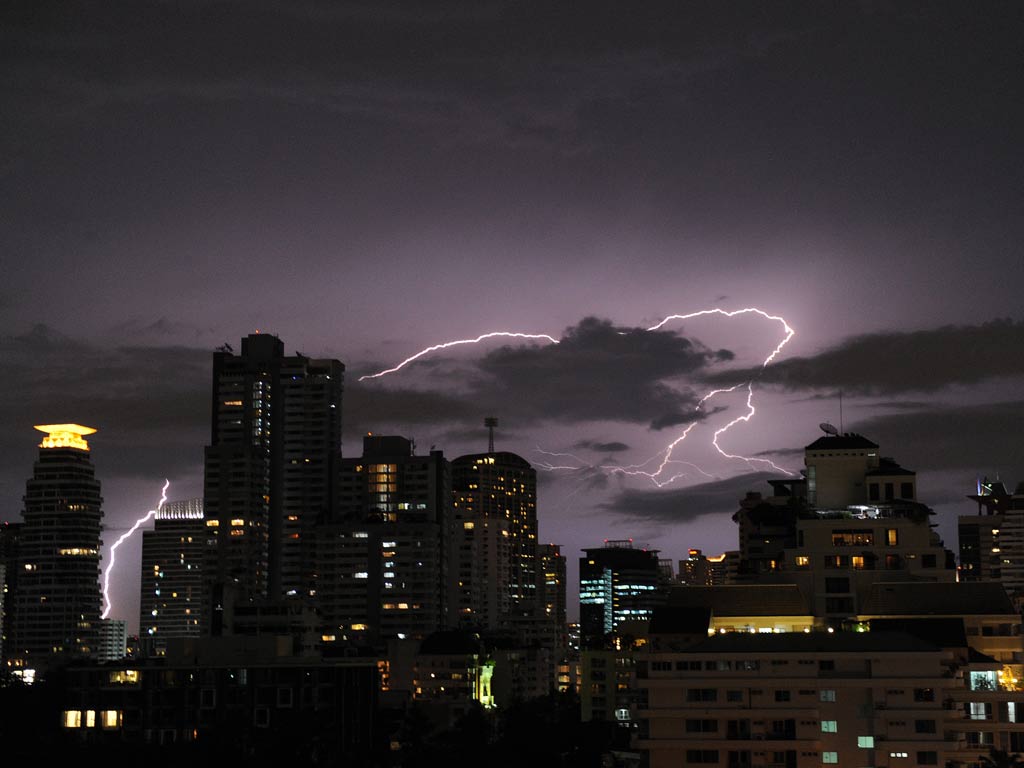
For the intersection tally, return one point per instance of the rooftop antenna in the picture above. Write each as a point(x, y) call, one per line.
point(490, 422)
point(840, 411)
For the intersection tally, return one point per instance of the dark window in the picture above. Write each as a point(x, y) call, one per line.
point(702, 755)
point(702, 726)
point(928, 758)
point(890, 492)
point(734, 695)
point(701, 694)
point(837, 584)
point(906, 490)
point(927, 561)
point(838, 605)
point(924, 694)
point(782, 695)
point(924, 726)
point(873, 492)
point(826, 664)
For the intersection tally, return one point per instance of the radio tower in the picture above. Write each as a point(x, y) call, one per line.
point(490, 422)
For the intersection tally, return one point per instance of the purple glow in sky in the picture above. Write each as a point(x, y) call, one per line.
point(367, 179)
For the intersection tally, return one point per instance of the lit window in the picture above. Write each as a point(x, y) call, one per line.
point(90, 718)
point(110, 718)
point(72, 718)
point(124, 676)
point(866, 742)
point(830, 758)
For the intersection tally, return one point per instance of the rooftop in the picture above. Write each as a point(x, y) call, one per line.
point(840, 442)
point(742, 599)
point(811, 642)
point(928, 598)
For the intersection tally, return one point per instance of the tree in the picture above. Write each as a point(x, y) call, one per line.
point(997, 758)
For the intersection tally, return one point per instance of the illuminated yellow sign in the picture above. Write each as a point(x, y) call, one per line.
point(65, 436)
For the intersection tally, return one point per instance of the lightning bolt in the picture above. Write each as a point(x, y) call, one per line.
point(457, 342)
point(124, 536)
point(666, 453)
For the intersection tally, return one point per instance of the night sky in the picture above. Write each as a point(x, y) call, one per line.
point(365, 179)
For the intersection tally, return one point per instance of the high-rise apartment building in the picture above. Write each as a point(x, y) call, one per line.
point(57, 600)
point(551, 587)
point(382, 561)
point(172, 561)
point(496, 520)
point(270, 470)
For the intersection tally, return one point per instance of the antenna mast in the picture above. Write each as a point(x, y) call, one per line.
point(490, 422)
point(840, 411)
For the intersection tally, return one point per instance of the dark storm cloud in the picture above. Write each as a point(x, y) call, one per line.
point(683, 505)
point(789, 452)
point(150, 404)
point(979, 438)
point(599, 447)
point(597, 372)
point(894, 362)
point(506, 73)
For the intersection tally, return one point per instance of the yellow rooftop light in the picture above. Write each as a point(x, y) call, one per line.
point(65, 436)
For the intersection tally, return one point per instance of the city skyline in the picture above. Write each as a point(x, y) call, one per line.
point(421, 176)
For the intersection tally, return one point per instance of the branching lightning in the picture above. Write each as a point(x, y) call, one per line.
point(666, 460)
point(457, 342)
point(125, 536)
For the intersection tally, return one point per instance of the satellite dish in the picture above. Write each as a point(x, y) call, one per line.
point(828, 429)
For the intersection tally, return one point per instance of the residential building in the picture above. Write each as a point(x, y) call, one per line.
point(270, 472)
point(495, 506)
point(798, 700)
point(854, 521)
point(172, 561)
point(992, 542)
point(383, 558)
point(237, 695)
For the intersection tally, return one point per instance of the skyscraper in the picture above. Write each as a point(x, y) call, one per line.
point(172, 558)
point(382, 563)
point(57, 601)
point(496, 510)
point(270, 470)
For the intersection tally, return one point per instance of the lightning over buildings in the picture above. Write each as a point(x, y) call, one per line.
point(124, 537)
point(660, 476)
point(458, 342)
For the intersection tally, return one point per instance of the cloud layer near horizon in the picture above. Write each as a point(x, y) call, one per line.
point(897, 362)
